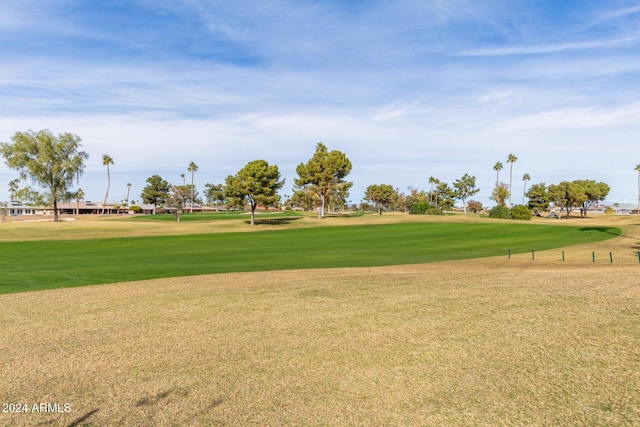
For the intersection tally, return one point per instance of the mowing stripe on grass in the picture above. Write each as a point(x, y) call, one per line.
point(35, 265)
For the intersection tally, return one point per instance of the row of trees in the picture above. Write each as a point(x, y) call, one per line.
point(384, 196)
point(55, 162)
point(581, 194)
point(258, 182)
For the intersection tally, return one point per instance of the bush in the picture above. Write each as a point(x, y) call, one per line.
point(418, 208)
point(135, 209)
point(500, 212)
point(422, 208)
point(521, 212)
point(432, 210)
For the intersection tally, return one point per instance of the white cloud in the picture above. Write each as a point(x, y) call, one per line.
point(575, 118)
point(550, 48)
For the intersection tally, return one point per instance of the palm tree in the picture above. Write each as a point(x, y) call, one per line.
point(432, 181)
point(107, 160)
point(497, 167)
point(79, 196)
point(637, 168)
point(128, 192)
point(192, 168)
point(525, 178)
point(511, 159)
point(183, 180)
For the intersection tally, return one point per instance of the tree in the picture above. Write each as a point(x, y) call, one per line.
point(475, 206)
point(35, 198)
point(79, 195)
point(525, 178)
point(178, 196)
point(126, 201)
point(500, 194)
point(50, 161)
point(538, 197)
point(445, 196)
point(107, 160)
point(567, 195)
point(303, 198)
point(465, 187)
point(432, 182)
point(323, 173)
point(637, 168)
point(14, 186)
point(192, 168)
point(214, 193)
point(511, 160)
point(257, 182)
point(497, 167)
point(156, 192)
point(595, 192)
point(380, 195)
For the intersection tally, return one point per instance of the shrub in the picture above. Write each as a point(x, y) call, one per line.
point(422, 208)
point(432, 210)
point(418, 208)
point(500, 212)
point(135, 209)
point(521, 212)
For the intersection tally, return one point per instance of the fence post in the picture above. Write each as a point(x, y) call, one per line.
point(562, 255)
point(593, 256)
point(509, 254)
point(533, 255)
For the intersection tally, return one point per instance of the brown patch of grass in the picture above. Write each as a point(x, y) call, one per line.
point(480, 342)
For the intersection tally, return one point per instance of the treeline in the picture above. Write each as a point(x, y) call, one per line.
point(55, 162)
point(582, 194)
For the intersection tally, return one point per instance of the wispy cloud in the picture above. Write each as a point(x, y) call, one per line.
point(575, 118)
point(550, 48)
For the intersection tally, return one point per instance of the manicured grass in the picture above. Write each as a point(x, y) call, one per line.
point(36, 265)
point(218, 216)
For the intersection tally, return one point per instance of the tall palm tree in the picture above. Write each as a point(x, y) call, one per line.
point(525, 178)
point(511, 160)
point(637, 168)
point(127, 200)
point(79, 196)
point(192, 168)
point(497, 167)
point(184, 182)
point(107, 160)
point(432, 181)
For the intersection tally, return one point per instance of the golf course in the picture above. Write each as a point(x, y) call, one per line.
point(350, 320)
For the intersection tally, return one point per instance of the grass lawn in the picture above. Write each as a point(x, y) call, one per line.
point(485, 341)
point(464, 343)
point(219, 216)
point(35, 265)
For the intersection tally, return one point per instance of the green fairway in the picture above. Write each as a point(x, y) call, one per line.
point(51, 264)
point(218, 216)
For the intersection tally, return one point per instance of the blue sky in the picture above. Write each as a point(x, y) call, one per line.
point(407, 89)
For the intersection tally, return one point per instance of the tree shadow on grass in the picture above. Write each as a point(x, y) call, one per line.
point(82, 418)
point(274, 221)
point(608, 230)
